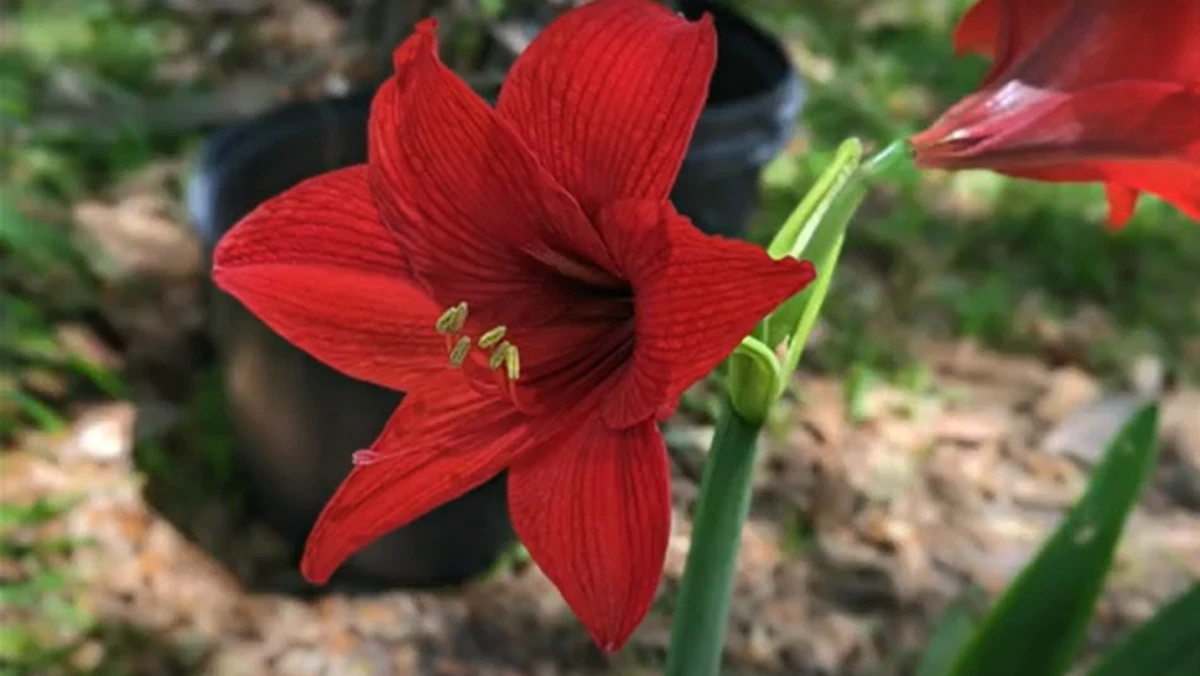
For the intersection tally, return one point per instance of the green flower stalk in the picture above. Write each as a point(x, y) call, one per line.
point(756, 379)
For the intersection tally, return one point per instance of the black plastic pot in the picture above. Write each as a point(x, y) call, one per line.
point(297, 421)
point(750, 114)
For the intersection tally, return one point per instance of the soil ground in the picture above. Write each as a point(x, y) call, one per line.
point(983, 339)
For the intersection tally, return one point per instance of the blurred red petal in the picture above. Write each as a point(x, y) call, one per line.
point(1176, 182)
point(1121, 202)
point(1101, 41)
point(480, 220)
point(1017, 124)
point(1075, 43)
point(317, 266)
point(607, 97)
point(443, 440)
point(1011, 29)
point(1132, 135)
point(976, 32)
point(595, 515)
point(696, 298)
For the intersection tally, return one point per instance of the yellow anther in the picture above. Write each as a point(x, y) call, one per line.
point(460, 317)
point(452, 320)
point(512, 362)
point(492, 336)
point(458, 354)
point(443, 322)
point(499, 355)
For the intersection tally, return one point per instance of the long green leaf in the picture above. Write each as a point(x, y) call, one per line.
point(949, 635)
point(1036, 627)
point(1167, 644)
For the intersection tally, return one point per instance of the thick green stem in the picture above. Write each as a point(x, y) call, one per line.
point(816, 228)
point(702, 608)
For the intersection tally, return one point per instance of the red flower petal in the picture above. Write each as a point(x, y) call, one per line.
point(443, 440)
point(1040, 41)
point(1121, 202)
point(317, 266)
point(1132, 135)
point(607, 97)
point(572, 359)
point(976, 32)
point(1081, 90)
point(478, 217)
point(1020, 125)
point(1006, 30)
point(1096, 42)
point(1174, 181)
point(595, 515)
point(695, 298)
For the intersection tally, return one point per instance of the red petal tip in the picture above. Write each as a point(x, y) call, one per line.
point(425, 27)
point(314, 573)
point(424, 34)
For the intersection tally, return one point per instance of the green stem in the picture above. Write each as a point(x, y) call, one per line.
point(702, 608)
point(897, 156)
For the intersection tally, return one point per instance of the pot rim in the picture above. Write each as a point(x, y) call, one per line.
point(766, 117)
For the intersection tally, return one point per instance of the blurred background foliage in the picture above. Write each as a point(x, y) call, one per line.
point(96, 96)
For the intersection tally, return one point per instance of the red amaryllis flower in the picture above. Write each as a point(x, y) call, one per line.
point(518, 272)
point(1081, 90)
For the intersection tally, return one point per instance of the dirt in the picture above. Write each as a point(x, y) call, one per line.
point(860, 534)
point(866, 523)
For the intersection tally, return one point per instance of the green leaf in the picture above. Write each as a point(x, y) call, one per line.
point(16, 643)
point(38, 512)
point(860, 380)
point(1165, 645)
point(30, 593)
point(41, 413)
point(1036, 627)
point(27, 333)
point(492, 8)
point(950, 634)
point(43, 245)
